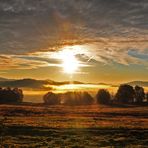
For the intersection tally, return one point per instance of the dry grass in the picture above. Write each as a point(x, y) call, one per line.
point(74, 126)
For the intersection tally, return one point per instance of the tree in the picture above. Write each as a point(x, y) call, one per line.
point(103, 96)
point(51, 99)
point(77, 98)
point(87, 99)
point(71, 98)
point(146, 97)
point(9, 95)
point(139, 94)
point(125, 94)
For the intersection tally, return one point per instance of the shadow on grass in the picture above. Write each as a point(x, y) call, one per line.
point(93, 137)
point(128, 105)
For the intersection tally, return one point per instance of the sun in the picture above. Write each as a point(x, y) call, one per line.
point(69, 59)
point(70, 63)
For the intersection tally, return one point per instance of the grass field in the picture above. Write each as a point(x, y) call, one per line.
point(36, 125)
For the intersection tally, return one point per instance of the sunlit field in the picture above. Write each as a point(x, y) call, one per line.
point(73, 73)
point(30, 125)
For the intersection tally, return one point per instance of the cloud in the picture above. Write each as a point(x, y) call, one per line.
point(109, 30)
point(14, 62)
point(139, 55)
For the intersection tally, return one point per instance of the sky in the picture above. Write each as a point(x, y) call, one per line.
point(109, 39)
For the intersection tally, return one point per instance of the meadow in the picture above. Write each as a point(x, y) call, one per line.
point(93, 126)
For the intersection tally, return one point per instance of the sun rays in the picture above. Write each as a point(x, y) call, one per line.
point(70, 63)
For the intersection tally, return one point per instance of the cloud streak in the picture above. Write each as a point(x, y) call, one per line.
point(108, 29)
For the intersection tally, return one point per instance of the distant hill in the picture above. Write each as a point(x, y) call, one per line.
point(40, 84)
point(140, 83)
point(28, 83)
point(5, 79)
point(63, 82)
point(104, 84)
point(32, 83)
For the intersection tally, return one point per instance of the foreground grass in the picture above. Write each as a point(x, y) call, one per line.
point(79, 126)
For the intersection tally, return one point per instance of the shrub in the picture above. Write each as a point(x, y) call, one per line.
point(51, 99)
point(87, 98)
point(139, 94)
point(146, 96)
point(77, 98)
point(125, 94)
point(9, 95)
point(103, 96)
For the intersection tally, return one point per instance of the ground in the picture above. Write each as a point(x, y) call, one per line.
point(93, 126)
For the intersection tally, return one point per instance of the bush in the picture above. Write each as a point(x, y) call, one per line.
point(9, 95)
point(139, 94)
point(147, 96)
point(51, 99)
point(125, 94)
point(77, 98)
point(103, 96)
point(87, 98)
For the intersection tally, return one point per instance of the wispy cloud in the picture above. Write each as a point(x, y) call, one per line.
point(14, 62)
point(108, 29)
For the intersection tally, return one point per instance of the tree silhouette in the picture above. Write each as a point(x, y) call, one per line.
point(76, 98)
point(51, 99)
point(147, 97)
point(103, 96)
point(139, 94)
point(8, 95)
point(87, 98)
point(71, 98)
point(125, 94)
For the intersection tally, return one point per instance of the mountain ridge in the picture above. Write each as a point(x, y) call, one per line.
point(140, 83)
point(34, 83)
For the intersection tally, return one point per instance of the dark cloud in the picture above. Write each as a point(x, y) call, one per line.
point(28, 26)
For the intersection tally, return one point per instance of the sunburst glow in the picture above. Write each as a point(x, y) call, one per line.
point(70, 60)
point(70, 63)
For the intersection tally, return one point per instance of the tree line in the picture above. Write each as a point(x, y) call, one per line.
point(124, 94)
point(68, 98)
